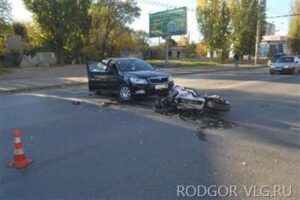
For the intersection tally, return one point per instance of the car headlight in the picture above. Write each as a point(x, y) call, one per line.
point(286, 66)
point(138, 81)
point(170, 79)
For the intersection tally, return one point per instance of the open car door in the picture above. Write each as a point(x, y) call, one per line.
point(97, 75)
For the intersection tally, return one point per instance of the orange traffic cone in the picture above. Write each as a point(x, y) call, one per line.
point(20, 161)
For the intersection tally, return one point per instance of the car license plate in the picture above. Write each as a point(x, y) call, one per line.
point(161, 86)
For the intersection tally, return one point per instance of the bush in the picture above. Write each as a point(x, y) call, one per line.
point(14, 57)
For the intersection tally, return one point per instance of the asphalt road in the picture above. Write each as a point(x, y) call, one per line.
point(86, 147)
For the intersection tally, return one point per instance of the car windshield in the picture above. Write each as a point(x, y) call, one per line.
point(286, 59)
point(134, 65)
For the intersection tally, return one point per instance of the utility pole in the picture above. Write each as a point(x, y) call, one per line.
point(258, 32)
point(167, 39)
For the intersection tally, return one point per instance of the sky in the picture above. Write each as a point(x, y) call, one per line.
point(274, 8)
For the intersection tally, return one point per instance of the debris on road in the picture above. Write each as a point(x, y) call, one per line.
point(206, 121)
point(215, 123)
point(76, 103)
point(186, 99)
point(107, 103)
point(200, 134)
point(190, 106)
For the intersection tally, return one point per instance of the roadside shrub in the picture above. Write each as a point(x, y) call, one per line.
point(14, 57)
point(30, 50)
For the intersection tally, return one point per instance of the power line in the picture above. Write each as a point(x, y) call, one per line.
point(282, 16)
point(171, 6)
point(164, 5)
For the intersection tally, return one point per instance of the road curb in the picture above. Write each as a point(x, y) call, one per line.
point(29, 89)
point(217, 70)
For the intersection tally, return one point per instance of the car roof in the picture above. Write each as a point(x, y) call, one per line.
point(122, 58)
point(275, 60)
point(287, 56)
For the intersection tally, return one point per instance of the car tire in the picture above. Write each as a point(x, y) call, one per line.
point(293, 72)
point(98, 93)
point(125, 94)
point(272, 73)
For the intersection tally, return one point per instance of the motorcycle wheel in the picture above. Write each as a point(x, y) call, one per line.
point(161, 106)
point(218, 105)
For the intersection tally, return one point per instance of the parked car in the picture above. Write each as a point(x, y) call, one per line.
point(127, 77)
point(284, 64)
point(297, 60)
point(276, 56)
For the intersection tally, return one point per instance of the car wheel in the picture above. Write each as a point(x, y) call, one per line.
point(125, 94)
point(293, 72)
point(97, 93)
point(272, 73)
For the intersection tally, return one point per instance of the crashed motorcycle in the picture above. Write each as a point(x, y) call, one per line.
point(185, 99)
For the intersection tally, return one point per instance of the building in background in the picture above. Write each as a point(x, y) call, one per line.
point(273, 44)
point(177, 52)
point(270, 28)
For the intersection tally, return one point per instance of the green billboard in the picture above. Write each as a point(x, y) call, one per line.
point(170, 22)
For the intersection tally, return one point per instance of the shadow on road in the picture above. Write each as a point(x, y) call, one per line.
point(272, 119)
point(88, 151)
point(243, 77)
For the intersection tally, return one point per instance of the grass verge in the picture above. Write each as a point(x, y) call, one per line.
point(6, 67)
point(4, 70)
point(184, 63)
point(201, 63)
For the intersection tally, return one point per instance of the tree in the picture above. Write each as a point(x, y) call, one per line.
point(201, 49)
point(5, 17)
point(141, 39)
point(213, 20)
point(244, 16)
point(183, 41)
point(35, 40)
point(20, 29)
point(80, 29)
point(190, 47)
point(117, 45)
point(108, 16)
point(156, 52)
point(223, 31)
point(294, 33)
point(63, 22)
point(35, 36)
